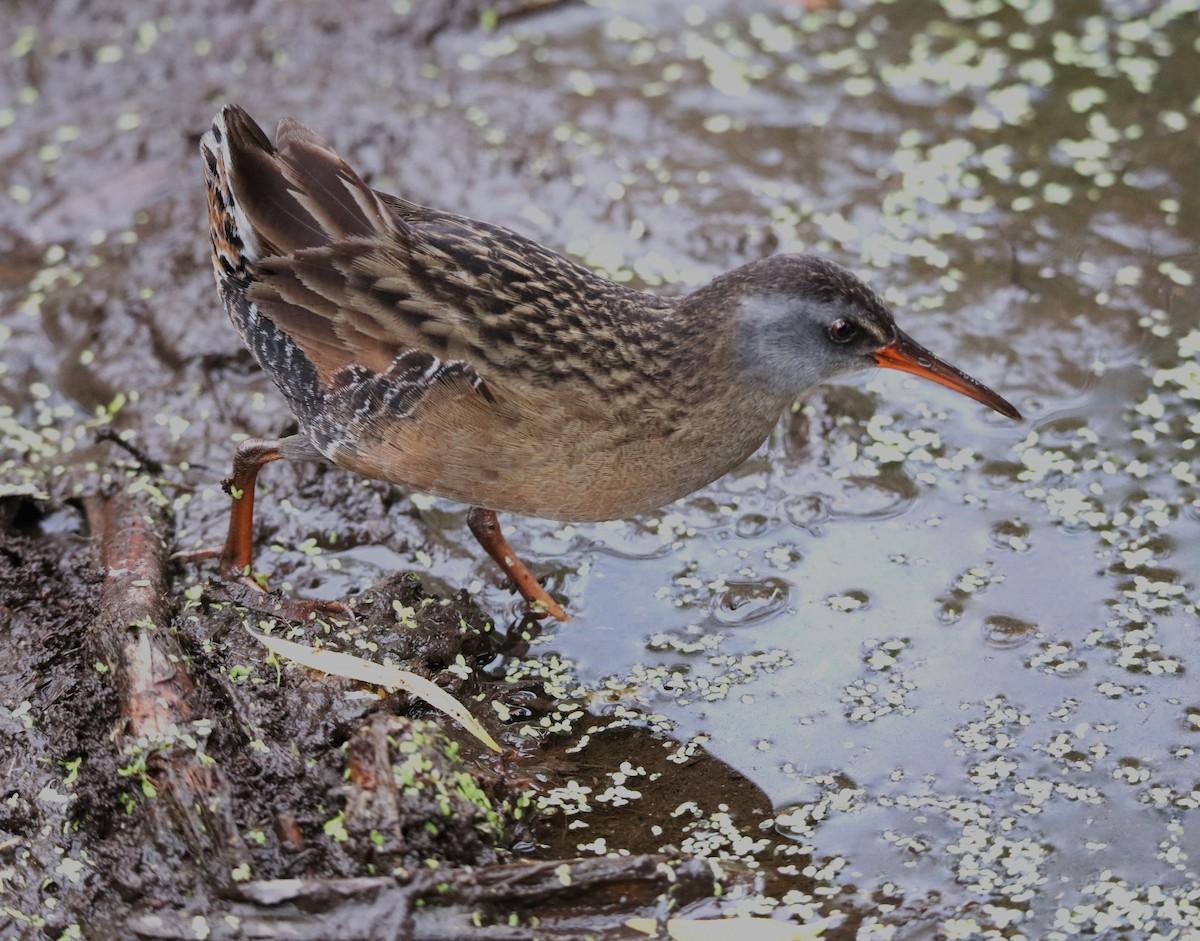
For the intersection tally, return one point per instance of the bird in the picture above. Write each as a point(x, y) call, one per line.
point(459, 358)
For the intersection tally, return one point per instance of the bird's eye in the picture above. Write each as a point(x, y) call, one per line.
point(842, 331)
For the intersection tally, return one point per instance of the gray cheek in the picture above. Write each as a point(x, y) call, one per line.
point(782, 352)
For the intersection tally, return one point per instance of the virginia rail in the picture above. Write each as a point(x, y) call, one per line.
point(459, 358)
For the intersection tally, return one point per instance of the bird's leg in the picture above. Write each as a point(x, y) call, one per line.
point(252, 455)
point(236, 556)
point(486, 527)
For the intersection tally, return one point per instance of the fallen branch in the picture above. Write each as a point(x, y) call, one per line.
point(190, 799)
point(511, 902)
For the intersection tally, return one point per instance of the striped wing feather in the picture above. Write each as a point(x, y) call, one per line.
point(358, 277)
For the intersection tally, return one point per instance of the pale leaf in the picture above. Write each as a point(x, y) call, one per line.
point(365, 671)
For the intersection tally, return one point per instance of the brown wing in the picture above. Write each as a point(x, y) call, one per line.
point(273, 207)
point(377, 274)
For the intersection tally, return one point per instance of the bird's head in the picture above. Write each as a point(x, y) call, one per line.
point(804, 320)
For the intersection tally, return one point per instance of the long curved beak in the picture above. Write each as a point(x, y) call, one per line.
point(907, 355)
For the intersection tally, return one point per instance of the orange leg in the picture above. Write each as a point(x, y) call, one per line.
point(484, 525)
point(237, 555)
point(252, 455)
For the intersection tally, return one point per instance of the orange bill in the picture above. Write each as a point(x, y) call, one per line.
point(907, 355)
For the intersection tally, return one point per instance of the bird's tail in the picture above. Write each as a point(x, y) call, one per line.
point(266, 199)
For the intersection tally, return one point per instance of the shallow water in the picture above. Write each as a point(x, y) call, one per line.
point(953, 650)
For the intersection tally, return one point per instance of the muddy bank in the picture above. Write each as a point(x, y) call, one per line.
point(164, 772)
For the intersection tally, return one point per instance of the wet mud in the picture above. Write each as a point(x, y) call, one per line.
point(209, 785)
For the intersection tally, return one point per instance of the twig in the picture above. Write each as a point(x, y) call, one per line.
point(529, 8)
point(148, 464)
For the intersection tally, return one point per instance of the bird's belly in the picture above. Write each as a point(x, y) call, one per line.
point(553, 469)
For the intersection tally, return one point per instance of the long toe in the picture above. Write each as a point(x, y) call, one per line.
point(247, 594)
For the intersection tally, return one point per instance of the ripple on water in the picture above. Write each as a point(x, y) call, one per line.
point(635, 540)
point(820, 797)
point(1001, 475)
point(1001, 631)
point(950, 612)
point(753, 525)
point(1011, 534)
point(874, 498)
point(808, 511)
point(750, 602)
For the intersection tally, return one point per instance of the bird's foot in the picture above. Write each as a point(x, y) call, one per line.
point(234, 584)
point(541, 605)
point(486, 529)
point(247, 593)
